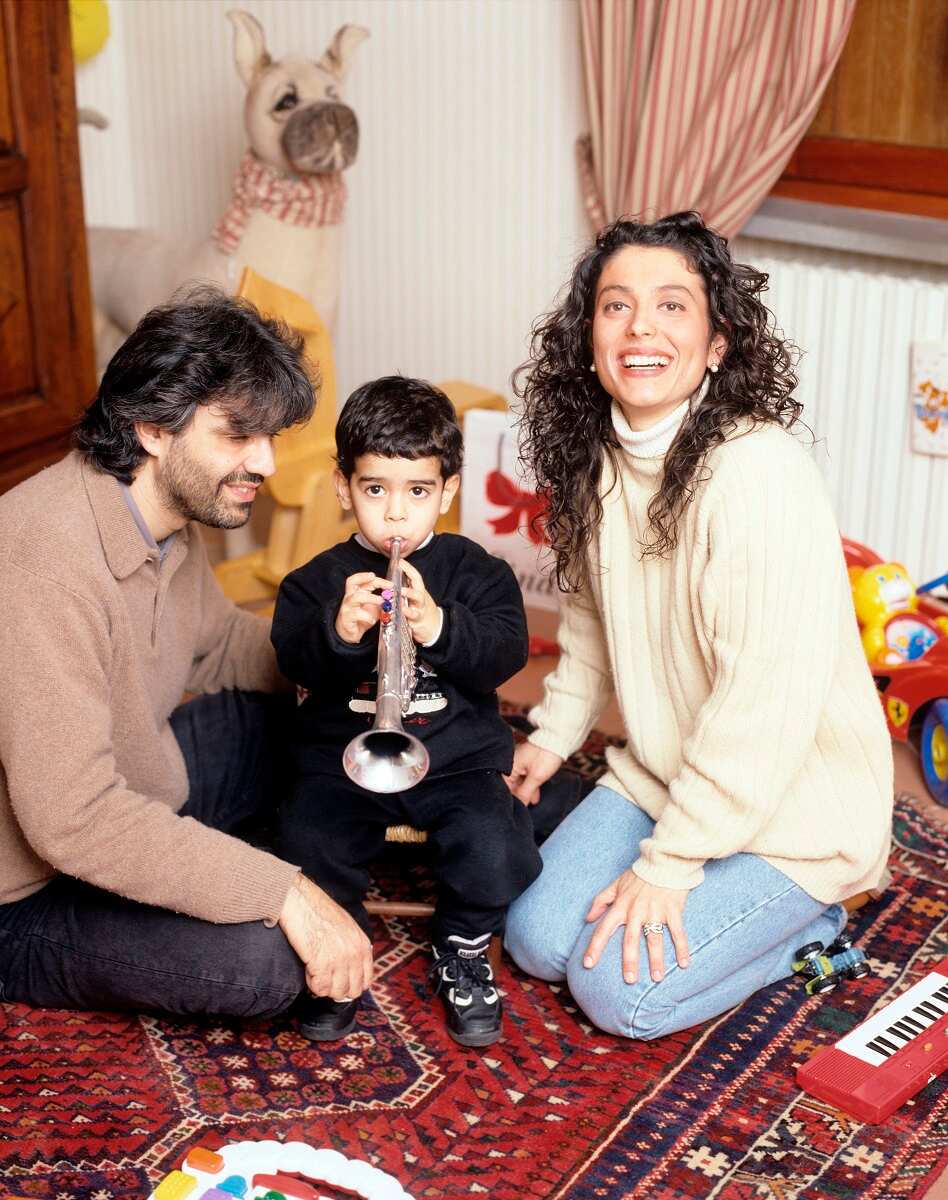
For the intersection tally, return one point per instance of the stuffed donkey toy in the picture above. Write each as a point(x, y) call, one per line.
point(288, 201)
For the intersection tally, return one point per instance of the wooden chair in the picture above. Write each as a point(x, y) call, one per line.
point(404, 835)
point(306, 512)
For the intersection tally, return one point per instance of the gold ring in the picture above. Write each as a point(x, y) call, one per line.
point(653, 927)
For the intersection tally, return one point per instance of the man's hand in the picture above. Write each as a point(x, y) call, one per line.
point(632, 902)
point(531, 767)
point(421, 612)
point(335, 952)
point(360, 607)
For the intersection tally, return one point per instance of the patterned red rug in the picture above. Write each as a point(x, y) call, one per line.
point(97, 1106)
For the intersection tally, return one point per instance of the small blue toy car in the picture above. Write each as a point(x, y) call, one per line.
point(824, 969)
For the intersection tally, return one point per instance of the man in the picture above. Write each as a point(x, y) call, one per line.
point(122, 883)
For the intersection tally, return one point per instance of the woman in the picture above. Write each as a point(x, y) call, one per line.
point(706, 587)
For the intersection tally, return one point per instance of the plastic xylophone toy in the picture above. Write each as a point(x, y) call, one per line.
point(274, 1171)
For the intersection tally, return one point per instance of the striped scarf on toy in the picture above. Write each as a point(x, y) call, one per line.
point(310, 202)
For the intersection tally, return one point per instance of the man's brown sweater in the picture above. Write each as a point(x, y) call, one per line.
point(99, 639)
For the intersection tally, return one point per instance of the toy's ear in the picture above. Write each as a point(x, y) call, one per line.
point(902, 570)
point(341, 48)
point(250, 48)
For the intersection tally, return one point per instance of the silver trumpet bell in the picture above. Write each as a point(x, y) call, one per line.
point(385, 758)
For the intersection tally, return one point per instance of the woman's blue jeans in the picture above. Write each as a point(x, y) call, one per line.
point(743, 922)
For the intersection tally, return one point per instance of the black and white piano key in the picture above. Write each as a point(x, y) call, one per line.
point(899, 1023)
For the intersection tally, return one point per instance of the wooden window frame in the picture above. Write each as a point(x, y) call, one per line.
point(874, 175)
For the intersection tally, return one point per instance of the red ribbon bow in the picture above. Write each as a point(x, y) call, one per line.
point(524, 508)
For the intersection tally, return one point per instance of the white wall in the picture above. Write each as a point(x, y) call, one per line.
point(464, 216)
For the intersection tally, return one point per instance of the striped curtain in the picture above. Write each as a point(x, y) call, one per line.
point(699, 103)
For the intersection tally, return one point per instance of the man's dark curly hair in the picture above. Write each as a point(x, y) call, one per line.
point(566, 426)
point(203, 348)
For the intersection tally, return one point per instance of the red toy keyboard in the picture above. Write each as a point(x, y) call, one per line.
point(883, 1062)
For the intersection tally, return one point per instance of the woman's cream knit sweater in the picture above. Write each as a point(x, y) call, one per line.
point(752, 720)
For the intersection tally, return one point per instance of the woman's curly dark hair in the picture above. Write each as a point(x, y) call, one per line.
point(566, 425)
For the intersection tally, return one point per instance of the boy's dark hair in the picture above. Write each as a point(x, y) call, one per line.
point(396, 417)
point(205, 348)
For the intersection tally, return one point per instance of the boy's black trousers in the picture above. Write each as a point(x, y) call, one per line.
point(480, 838)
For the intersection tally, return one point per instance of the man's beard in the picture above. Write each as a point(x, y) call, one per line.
point(188, 489)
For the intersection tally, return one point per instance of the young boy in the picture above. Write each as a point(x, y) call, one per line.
point(399, 455)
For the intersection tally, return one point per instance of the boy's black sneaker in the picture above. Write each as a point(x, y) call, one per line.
point(464, 980)
point(323, 1020)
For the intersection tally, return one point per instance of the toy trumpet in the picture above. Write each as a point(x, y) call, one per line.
point(385, 758)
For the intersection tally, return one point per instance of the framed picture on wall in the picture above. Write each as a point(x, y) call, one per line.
point(929, 399)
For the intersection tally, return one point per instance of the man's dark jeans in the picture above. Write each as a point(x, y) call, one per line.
point(74, 946)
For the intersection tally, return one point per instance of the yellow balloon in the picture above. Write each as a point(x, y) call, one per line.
point(89, 25)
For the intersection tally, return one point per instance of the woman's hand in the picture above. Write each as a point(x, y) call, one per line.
point(531, 767)
point(632, 902)
point(360, 607)
point(421, 612)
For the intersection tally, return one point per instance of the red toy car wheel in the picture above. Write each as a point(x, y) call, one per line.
point(934, 750)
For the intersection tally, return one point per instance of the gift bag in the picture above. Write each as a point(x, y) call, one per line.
point(500, 508)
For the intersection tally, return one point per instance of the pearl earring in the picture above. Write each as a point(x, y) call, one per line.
point(714, 368)
point(592, 367)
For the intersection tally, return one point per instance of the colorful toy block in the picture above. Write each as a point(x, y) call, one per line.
point(175, 1186)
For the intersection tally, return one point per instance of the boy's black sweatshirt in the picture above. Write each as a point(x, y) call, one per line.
point(454, 711)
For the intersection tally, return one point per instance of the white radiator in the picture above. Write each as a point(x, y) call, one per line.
point(855, 318)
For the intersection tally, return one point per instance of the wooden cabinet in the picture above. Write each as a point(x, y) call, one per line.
point(47, 371)
point(880, 137)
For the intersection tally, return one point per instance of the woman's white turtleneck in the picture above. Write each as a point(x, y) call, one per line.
point(655, 441)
